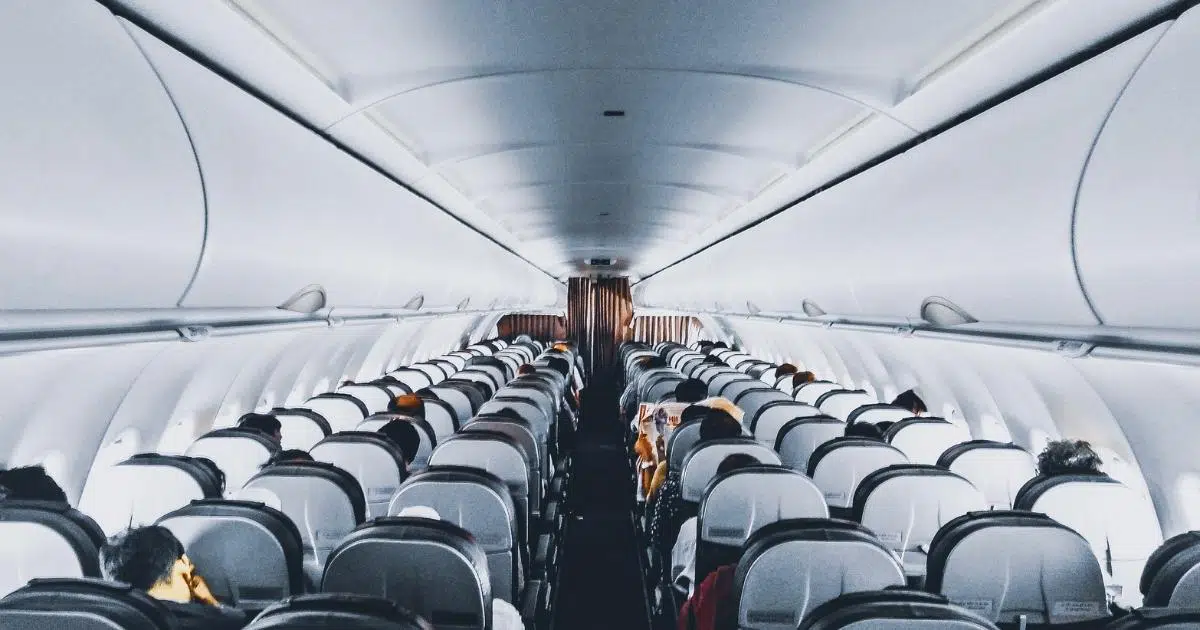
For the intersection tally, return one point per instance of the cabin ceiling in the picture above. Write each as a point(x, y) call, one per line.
point(505, 101)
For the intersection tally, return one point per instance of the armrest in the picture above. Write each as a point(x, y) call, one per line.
point(529, 603)
point(541, 556)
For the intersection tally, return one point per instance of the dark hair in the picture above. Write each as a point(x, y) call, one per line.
point(692, 413)
point(884, 426)
point(508, 412)
point(218, 474)
point(713, 360)
point(1069, 457)
point(800, 378)
point(141, 557)
point(408, 404)
point(690, 391)
point(31, 483)
point(266, 423)
point(405, 435)
point(289, 455)
point(426, 394)
point(911, 401)
point(526, 368)
point(718, 425)
point(736, 461)
point(865, 430)
point(786, 368)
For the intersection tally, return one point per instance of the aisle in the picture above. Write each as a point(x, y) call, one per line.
point(601, 585)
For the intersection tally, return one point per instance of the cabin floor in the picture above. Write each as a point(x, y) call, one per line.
point(602, 584)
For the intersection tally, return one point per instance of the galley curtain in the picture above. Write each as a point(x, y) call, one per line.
point(654, 329)
point(599, 312)
point(543, 327)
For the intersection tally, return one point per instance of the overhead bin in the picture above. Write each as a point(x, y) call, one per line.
point(980, 215)
point(1137, 234)
point(101, 204)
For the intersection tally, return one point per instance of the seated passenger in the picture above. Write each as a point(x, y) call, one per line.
point(802, 378)
point(713, 360)
point(664, 511)
point(864, 430)
point(693, 390)
point(289, 455)
point(911, 401)
point(692, 413)
point(408, 405)
point(152, 559)
point(266, 424)
point(713, 606)
point(31, 483)
point(724, 404)
point(1066, 457)
point(683, 554)
point(883, 427)
point(216, 471)
point(405, 434)
point(526, 369)
point(785, 369)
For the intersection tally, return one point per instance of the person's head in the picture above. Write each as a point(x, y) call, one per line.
point(264, 423)
point(726, 405)
point(289, 455)
point(884, 426)
point(561, 347)
point(719, 425)
point(405, 435)
point(1069, 457)
point(692, 413)
point(911, 401)
point(216, 471)
point(526, 369)
point(150, 559)
point(736, 461)
point(507, 412)
point(800, 378)
point(409, 405)
point(712, 360)
point(784, 370)
point(864, 430)
point(691, 391)
point(31, 483)
point(560, 365)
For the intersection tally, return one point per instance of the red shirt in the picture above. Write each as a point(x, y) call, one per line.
point(712, 607)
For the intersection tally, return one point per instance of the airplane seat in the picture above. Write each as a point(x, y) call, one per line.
point(737, 387)
point(442, 417)
point(772, 417)
point(724, 379)
point(892, 609)
point(790, 567)
point(1158, 619)
point(700, 466)
point(411, 378)
point(324, 501)
point(798, 437)
point(1120, 524)
point(752, 401)
point(520, 431)
point(257, 548)
point(335, 611)
point(741, 502)
point(879, 412)
point(393, 386)
point(45, 539)
point(1008, 564)
point(436, 374)
point(238, 452)
point(524, 407)
point(301, 428)
point(840, 404)
point(478, 502)
point(434, 568)
point(660, 388)
point(374, 460)
point(924, 439)
point(1172, 574)
point(536, 388)
point(376, 398)
point(342, 411)
point(497, 373)
point(485, 379)
point(998, 469)
point(840, 464)
point(809, 393)
point(499, 455)
point(426, 432)
point(906, 504)
point(477, 391)
point(144, 487)
point(459, 400)
point(82, 604)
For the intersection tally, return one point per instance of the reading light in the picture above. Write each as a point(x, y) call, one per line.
point(811, 309)
point(415, 303)
point(942, 312)
point(310, 299)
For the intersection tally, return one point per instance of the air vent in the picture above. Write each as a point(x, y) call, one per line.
point(942, 312)
point(811, 309)
point(614, 113)
point(600, 262)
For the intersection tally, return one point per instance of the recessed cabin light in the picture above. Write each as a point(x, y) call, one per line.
point(614, 113)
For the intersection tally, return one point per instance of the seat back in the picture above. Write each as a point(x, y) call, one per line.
point(497, 454)
point(790, 567)
point(334, 611)
point(519, 430)
point(1005, 564)
point(375, 398)
point(772, 417)
point(82, 604)
point(683, 438)
point(435, 373)
point(879, 412)
point(301, 428)
point(324, 501)
point(837, 467)
point(700, 466)
point(809, 393)
point(721, 381)
point(526, 408)
point(48, 539)
point(1120, 524)
point(998, 469)
point(739, 503)
point(1172, 573)
point(414, 379)
point(432, 568)
point(458, 399)
point(737, 387)
point(924, 440)
point(906, 504)
point(342, 411)
point(753, 400)
point(661, 387)
point(892, 609)
point(375, 461)
point(428, 437)
point(257, 548)
point(841, 403)
point(144, 487)
point(478, 502)
point(239, 453)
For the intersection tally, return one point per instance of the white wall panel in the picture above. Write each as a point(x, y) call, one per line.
point(100, 200)
point(1136, 232)
point(981, 215)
